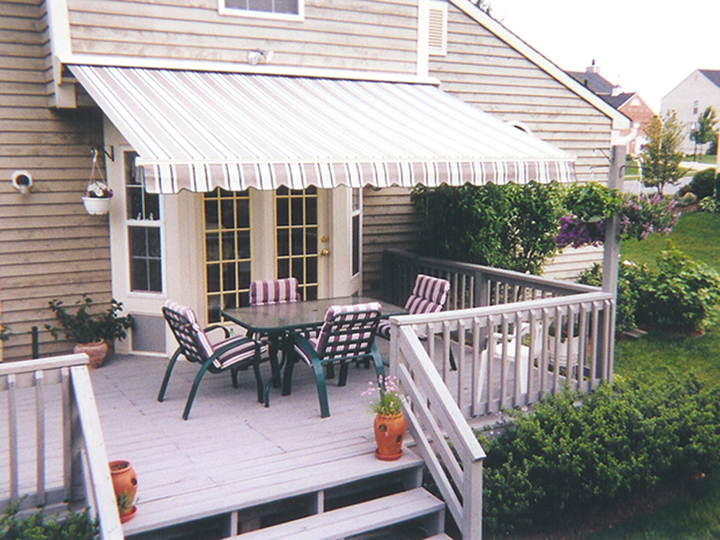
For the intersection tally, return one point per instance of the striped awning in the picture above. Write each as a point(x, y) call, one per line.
point(200, 130)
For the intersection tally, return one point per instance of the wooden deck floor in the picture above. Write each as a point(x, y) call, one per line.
point(232, 452)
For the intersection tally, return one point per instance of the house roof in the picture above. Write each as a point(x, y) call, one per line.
point(594, 81)
point(199, 130)
point(713, 75)
point(619, 100)
point(620, 121)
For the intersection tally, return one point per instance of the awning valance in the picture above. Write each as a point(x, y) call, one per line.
point(200, 130)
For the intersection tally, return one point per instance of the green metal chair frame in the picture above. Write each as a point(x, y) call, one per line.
point(347, 335)
point(232, 353)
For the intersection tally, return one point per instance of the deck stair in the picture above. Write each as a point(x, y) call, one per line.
point(358, 491)
point(371, 516)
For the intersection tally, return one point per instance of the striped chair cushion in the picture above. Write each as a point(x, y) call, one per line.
point(274, 291)
point(242, 349)
point(201, 348)
point(428, 296)
point(384, 329)
point(329, 345)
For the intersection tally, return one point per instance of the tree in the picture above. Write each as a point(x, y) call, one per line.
point(660, 157)
point(705, 132)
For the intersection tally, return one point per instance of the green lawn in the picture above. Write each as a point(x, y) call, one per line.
point(697, 514)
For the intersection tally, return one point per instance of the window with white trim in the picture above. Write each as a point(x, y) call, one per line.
point(291, 8)
point(144, 228)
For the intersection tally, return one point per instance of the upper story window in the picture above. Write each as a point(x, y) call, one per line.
point(260, 8)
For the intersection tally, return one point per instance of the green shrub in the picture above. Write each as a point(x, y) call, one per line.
point(704, 183)
point(627, 296)
point(686, 199)
point(680, 295)
point(710, 205)
point(576, 455)
point(74, 526)
point(509, 226)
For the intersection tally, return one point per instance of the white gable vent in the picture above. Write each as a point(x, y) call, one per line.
point(437, 38)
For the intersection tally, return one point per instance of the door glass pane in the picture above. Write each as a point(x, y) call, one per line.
point(296, 238)
point(227, 250)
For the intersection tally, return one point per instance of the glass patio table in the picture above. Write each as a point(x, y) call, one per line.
point(278, 320)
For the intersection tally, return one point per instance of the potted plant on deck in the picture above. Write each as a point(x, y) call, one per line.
point(91, 332)
point(390, 423)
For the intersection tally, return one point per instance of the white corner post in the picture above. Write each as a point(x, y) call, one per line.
point(611, 251)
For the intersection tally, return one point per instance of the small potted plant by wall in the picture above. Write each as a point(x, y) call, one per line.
point(91, 332)
point(97, 198)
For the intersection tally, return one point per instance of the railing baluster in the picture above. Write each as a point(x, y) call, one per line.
point(13, 436)
point(40, 435)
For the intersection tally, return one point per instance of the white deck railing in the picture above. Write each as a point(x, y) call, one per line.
point(506, 340)
point(446, 442)
point(52, 414)
point(509, 356)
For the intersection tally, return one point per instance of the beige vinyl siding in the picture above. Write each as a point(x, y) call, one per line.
point(481, 69)
point(49, 246)
point(375, 35)
point(389, 222)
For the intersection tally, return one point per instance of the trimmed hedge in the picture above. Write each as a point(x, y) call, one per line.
point(578, 455)
point(73, 526)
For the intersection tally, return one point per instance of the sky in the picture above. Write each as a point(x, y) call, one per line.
point(645, 46)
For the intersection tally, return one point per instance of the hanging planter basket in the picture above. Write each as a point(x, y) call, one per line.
point(95, 206)
point(98, 194)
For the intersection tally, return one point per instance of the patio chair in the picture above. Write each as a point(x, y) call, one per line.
point(232, 353)
point(271, 292)
point(428, 296)
point(495, 344)
point(347, 335)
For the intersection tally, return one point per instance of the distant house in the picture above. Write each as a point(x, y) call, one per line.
point(216, 186)
point(700, 90)
point(631, 104)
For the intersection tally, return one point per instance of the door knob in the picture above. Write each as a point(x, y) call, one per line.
point(325, 252)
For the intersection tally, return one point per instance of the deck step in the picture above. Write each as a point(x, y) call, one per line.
point(360, 518)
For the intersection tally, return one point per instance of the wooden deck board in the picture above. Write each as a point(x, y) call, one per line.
point(232, 452)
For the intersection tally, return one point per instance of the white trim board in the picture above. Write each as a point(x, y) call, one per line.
point(620, 121)
point(229, 67)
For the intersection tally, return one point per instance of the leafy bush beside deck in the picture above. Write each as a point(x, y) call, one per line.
point(577, 455)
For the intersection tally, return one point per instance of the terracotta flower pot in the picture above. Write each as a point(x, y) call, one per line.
point(96, 352)
point(125, 484)
point(389, 436)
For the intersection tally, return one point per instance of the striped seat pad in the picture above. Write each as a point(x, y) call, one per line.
point(274, 291)
point(428, 296)
point(328, 345)
point(242, 349)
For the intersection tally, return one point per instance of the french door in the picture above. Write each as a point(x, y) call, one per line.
point(250, 235)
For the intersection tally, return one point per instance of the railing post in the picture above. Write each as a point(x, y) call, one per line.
point(472, 500)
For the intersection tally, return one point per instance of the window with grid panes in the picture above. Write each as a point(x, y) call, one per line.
point(296, 220)
point(227, 250)
point(144, 230)
point(277, 7)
